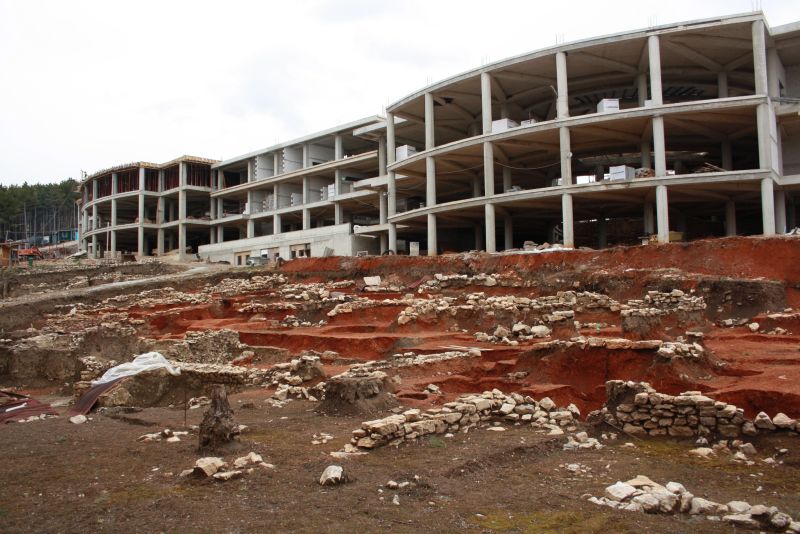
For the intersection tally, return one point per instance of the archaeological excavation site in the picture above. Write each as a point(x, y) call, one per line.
point(648, 387)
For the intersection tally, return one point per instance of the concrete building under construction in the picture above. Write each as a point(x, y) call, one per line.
point(679, 131)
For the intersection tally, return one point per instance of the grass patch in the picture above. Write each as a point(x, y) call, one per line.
point(556, 522)
point(436, 443)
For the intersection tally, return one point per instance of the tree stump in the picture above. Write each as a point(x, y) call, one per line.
point(218, 428)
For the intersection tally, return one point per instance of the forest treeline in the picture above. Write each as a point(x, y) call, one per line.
point(31, 211)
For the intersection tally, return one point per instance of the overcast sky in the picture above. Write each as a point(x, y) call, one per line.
point(85, 85)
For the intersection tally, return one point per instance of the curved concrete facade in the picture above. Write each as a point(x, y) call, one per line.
point(679, 128)
point(680, 131)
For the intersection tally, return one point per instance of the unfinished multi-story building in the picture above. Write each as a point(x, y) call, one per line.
point(679, 131)
point(145, 208)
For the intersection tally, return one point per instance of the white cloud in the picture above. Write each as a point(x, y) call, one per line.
point(89, 84)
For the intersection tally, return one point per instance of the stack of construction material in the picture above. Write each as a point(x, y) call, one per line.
point(296, 199)
point(328, 191)
point(707, 167)
point(644, 172)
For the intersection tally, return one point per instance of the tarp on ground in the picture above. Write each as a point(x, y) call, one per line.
point(148, 361)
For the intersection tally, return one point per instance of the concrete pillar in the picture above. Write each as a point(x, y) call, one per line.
point(566, 155)
point(767, 207)
point(212, 235)
point(659, 145)
point(383, 244)
point(647, 162)
point(508, 231)
point(641, 86)
point(567, 220)
point(113, 212)
point(94, 247)
point(391, 186)
point(506, 179)
point(433, 244)
point(430, 141)
point(114, 183)
point(488, 191)
point(220, 234)
point(306, 190)
point(276, 163)
point(276, 224)
point(654, 53)
point(649, 218)
point(727, 155)
point(382, 156)
point(382, 206)
point(251, 228)
point(113, 245)
point(306, 156)
point(140, 228)
point(602, 232)
point(477, 190)
point(430, 182)
point(730, 218)
point(486, 102)
point(722, 84)
point(393, 238)
point(306, 219)
point(491, 239)
point(338, 213)
point(94, 224)
point(338, 147)
point(662, 214)
point(780, 211)
point(562, 101)
point(763, 115)
point(182, 211)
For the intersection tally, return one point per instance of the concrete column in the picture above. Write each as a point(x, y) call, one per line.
point(113, 245)
point(659, 145)
point(212, 235)
point(780, 211)
point(433, 244)
point(220, 234)
point(722, 84)
point(727, 155)
point(430, 182)
point(306, 156)
point(430, 141)
point(508, 231)
point(140, 228)
point(391, 187)
point(306, 190)
point(94, 247)
point(506, 179)
point(338, 213)
point(382, 206)
point(114, 183)
point(113, 212)
point(730, 218)
point(562, 102)
point(393, 238)
point(566, 155)
point(486, 102)
point(641, 86)
point(382, 156)
point(338, 147)
point(647, 161)
point(649, 218)
point(251, 228)
point(94, 217)
point(160, 242)
point(602, 232)
point(276, 163)
point(767, 206)
point(476, 187)
point(662, 214)
point(654, 52)
point(760, 58)
point(306, 219)
point(567, 220)
point(276, 224)
point(251, 167)
point(182, 211)
point(383, 243)
point(491, 239)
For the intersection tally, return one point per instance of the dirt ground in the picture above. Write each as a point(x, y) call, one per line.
point(95, 477)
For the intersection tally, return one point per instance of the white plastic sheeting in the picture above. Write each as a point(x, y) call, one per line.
point(144, 362)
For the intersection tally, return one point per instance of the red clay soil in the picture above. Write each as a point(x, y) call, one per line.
point(754, 371)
